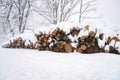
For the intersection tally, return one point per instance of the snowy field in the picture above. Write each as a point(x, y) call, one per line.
point(20, 64)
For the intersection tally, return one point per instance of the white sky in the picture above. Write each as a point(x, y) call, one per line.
point(111, 11)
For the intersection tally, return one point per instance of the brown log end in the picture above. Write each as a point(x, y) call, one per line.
point(92, 33)
point(79, 50)
point(87, 27)
point(83, 47)
point(68, 48)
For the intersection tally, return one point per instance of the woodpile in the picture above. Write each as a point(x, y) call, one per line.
point(58, 41)
point(42, 42)
point(88, 44)
point(61, 42)
point(75, 31)
point(19, 43)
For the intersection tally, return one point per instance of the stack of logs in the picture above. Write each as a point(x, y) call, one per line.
point(58, 41)
point(42, 42)
point(88, 44)
point(18, 43)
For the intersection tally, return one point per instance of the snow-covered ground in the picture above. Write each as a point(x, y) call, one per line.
point(22, 64)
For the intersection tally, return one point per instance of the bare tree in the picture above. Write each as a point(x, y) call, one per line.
point(6, 7)
point(23, 10)
point(15, 14)
point(56, 10)
point(86, 7)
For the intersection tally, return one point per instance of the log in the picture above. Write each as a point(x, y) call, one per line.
point(83, 38)
point(44, 44)
point(113, 50)
point(75, 31)
point(87, 27)
point(92, 44)
point(92, 49)
point(101, 36)
point(83, 47)
point(46, 35)
point(55, 49)
point(45, 40)
point(92, 33)
point(108, 40)
point(88, 45)
point(68, 48)
point(115, 38)
point(79, 50)
point(40, 33)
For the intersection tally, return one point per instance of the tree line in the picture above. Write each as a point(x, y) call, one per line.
point(14, 13)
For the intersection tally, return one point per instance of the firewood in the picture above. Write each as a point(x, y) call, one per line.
point(115, 38)
point(83, 47)
point(47, 48)
point(46, 35)
point(92, 49)
point(96, 49)
point(83, 38)
point(61, 42)
point(64, 43)
point(40, 33)
point(101, 36)
point(79, 50)
point(39, 38)
point(56, 49)
point(75, 31)
point(88, 45)
point(31, 44)
point(87, 27)
point(113, 50)
point(92, 33)
point(92, 44)
point(68, 48)
point(94, 40)
point(45, 40)
point(108, 40)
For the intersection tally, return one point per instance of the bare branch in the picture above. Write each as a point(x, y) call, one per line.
point(44, 16)
point(85, 9)
point(15, 4)
point(69, 10)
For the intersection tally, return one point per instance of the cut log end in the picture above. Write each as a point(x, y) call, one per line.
point(68, 48)
point(83, 47)
point(92, 33)
point(87, 27)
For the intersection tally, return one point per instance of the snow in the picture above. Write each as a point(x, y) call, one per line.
point(73, 38)
point(83, 33)
point(107, 47)
point(101, 43)
point(117, 45)
point(20, 64)
point(26, 36)
point(65, 26)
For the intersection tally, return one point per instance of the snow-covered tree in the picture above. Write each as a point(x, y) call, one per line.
point(56, 10)
point(22, 10)
point(14, 14)
point(86, 6)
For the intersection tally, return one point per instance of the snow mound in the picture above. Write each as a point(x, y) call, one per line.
point(27, 36)
point(20, 64)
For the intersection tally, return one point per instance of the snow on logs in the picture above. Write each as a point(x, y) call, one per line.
point(78, 40)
